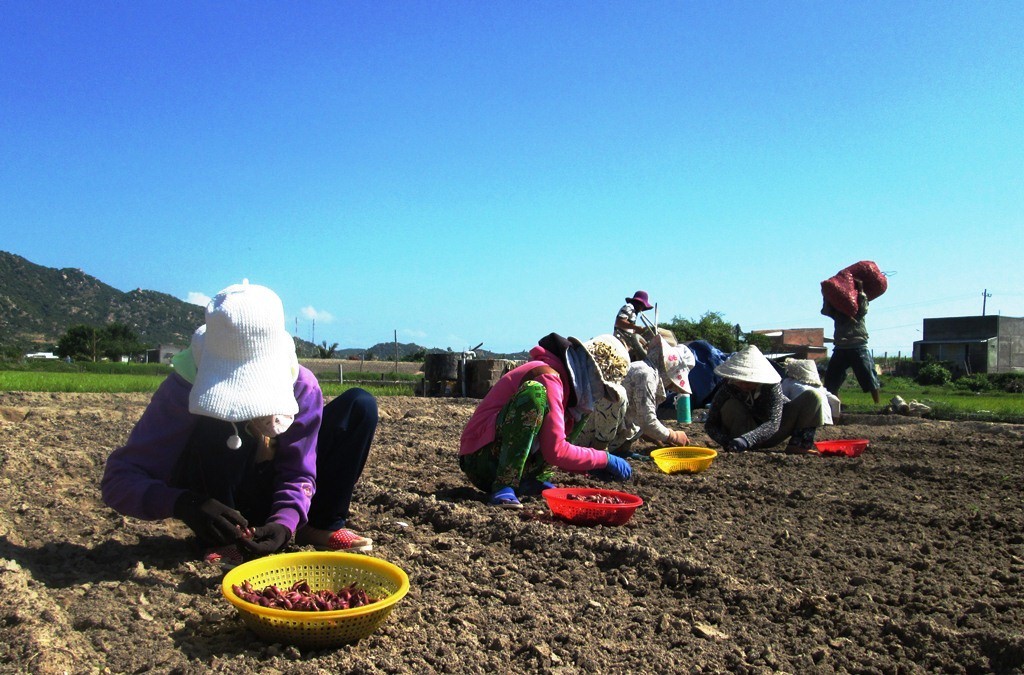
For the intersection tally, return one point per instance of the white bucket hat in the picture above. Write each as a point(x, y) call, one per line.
point(749, 365)
point(245, 359)
point(803, 370)
point(677, 360)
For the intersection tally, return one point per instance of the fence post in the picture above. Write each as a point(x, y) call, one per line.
point(341, 376)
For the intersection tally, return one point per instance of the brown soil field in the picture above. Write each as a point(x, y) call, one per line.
point(907, 559)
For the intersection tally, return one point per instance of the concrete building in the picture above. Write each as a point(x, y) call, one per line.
point(974, 344)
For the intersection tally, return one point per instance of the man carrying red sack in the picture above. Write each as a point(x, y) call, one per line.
point(851, 347)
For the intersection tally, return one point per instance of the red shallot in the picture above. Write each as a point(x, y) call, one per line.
point(300, 597)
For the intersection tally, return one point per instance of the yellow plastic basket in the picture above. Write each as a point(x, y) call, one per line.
point(686, 459)
point(322, 570)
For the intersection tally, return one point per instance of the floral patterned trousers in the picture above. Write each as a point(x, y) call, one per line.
point(514, 454)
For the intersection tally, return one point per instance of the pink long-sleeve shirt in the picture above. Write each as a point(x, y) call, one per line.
point(557, 451)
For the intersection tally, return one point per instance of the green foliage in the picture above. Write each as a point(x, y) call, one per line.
point(712, 327)
point(762, 342)
point(934, 373)
point(946, 402)
point(49, 301)
point(11, 380)
point(1012, 383)
point(416, 356)
point(976, 382)
point(120, 340)
point(332, 389)
point(96, 368)
point(325, 352)
point(80, 343)
point(895, 383)
point(89, 343)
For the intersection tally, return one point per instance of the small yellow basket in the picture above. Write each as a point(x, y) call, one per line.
point(322, 570)
point(686, 459)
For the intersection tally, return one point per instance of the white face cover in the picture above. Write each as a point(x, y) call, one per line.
point(272, 426)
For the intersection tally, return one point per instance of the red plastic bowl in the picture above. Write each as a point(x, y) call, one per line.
point(851, 447)
point(581, 512)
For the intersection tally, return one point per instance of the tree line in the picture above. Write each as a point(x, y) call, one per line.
point(115, 340)
point(82, 342)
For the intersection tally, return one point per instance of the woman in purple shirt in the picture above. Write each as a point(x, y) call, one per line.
point(238, 444)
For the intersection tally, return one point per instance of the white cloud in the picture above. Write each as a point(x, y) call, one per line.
point(197, 298)
point(310, 312)
point(413, 334)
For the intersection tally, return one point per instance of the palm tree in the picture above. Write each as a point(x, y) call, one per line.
point(325, 352)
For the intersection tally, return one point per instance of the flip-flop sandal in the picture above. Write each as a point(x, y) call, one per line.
point(347, 540)
point(505, 498)
point(228, 557)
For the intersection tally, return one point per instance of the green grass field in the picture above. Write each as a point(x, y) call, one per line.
point(16, 380)
point(946, 402)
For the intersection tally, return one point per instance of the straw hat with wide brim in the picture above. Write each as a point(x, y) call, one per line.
point(803, 370)
point(748, 365)
point(245, 358)
point(610, 355)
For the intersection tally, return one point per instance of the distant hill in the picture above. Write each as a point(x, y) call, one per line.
point(38, 304)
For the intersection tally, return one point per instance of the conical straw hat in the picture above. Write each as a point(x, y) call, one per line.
point(803, 370)
point(749, 365)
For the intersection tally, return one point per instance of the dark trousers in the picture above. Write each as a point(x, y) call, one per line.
point(236, 479)
point(857, 358)
point(800, 417)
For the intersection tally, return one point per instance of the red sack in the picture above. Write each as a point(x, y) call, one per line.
point(840, 291)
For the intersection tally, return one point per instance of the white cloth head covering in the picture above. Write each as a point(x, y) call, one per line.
point(676, 361)
point(803, 370)
point(749, 365)
point(672, 361)
point(245, 359)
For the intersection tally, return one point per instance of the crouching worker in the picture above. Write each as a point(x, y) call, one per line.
point(238, 444)
point(646, 386)
point(749, 411)
point(523, 428)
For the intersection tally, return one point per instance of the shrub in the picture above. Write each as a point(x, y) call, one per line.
point(898, 383)
point(976, 382)
point(1012, 383)
point(934, 373)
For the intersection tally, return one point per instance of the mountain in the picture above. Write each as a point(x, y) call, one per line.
point(38, 304)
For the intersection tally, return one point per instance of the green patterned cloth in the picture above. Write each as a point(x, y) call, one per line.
point(515, 452)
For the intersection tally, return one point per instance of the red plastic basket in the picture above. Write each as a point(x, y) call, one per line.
point(850, 447)
point(581, 512)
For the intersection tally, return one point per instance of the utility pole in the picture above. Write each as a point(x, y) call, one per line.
point(984, 299)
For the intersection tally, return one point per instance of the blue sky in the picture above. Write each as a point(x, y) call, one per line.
point(466, 172)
